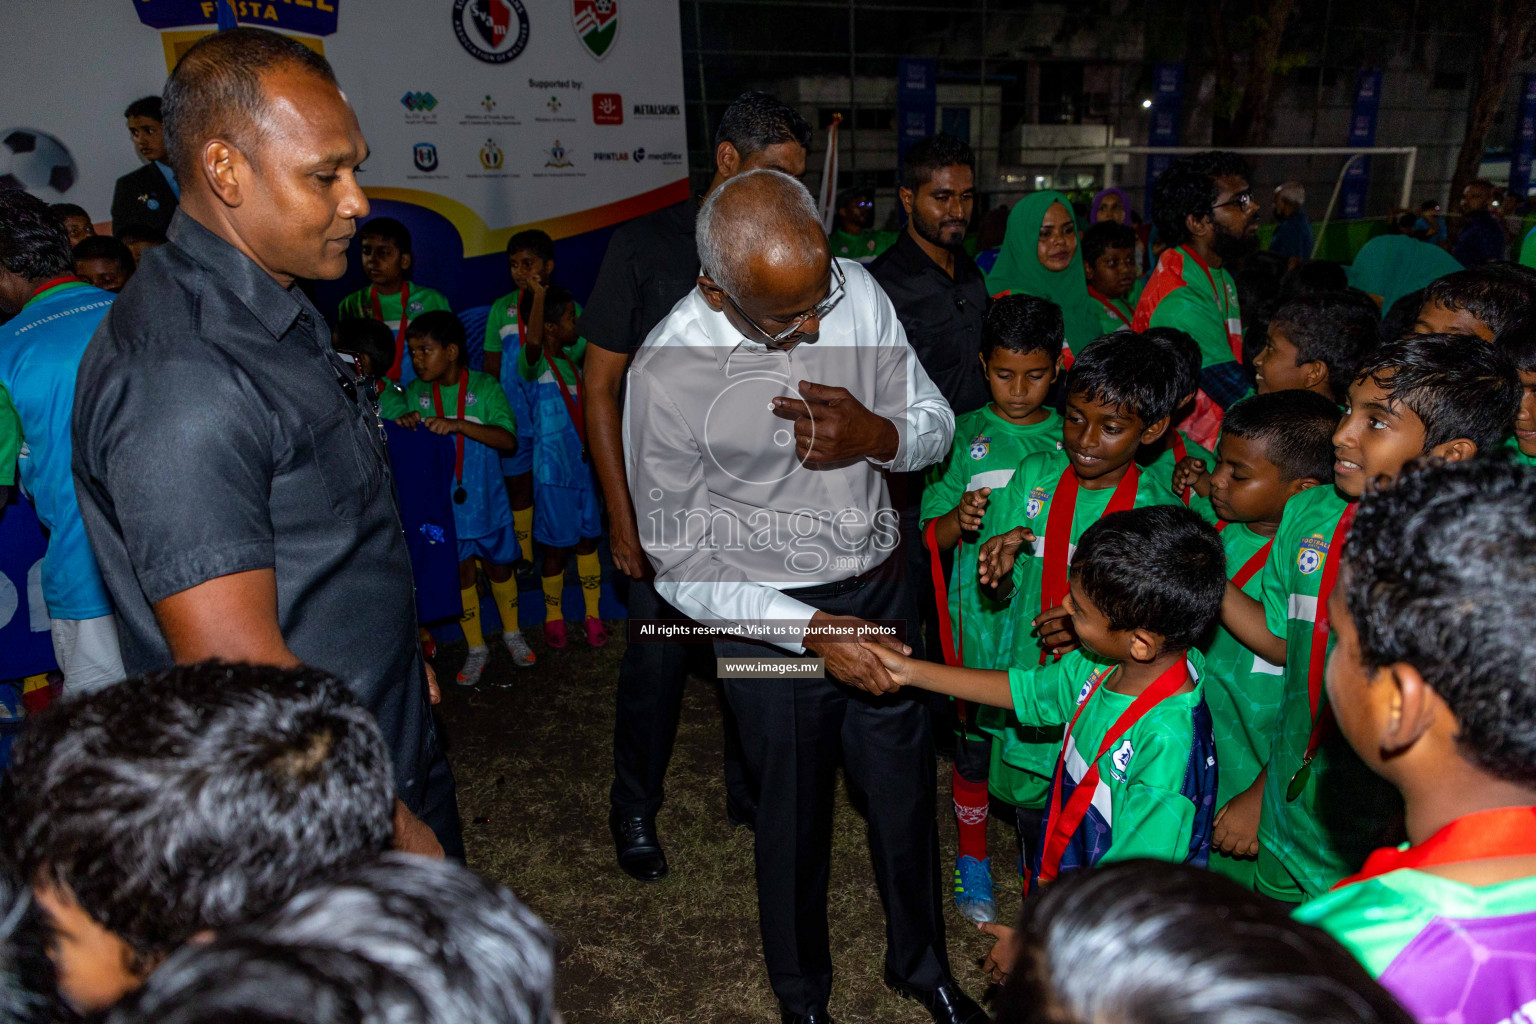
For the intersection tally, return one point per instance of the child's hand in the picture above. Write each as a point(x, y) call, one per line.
point(1004, 954)
point(896, 664)
point(1191, 472)
point(410, 420)
point(994, 562)
point(1236, 831)
point(973, 505)
point(442, 425)
point(1054, 631)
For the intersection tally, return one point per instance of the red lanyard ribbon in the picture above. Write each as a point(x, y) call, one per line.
point(1064, 822)
point(378, 314)
point(1482, 835)
point(1219, 295)
point(1318, 658)
point(574, 409)
point(1109, 304)
point(1255, 562)
point(1058, 529)
point(951, 635)
point(458, 438)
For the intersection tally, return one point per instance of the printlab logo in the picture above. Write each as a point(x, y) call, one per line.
point(419, 102)
point(425, 155)
point(557, 156)
point(490, 156)
point(611, 157)
point(607, 108)
point(597, 24)
point(494, 31)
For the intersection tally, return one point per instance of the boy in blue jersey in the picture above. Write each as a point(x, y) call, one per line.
point(566, 515)
point(447, 397)
point(1136, 771)
point(52, 315)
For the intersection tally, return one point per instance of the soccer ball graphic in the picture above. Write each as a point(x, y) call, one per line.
point(37, 162)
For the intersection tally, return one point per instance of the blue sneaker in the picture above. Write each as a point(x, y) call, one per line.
point(973, 889)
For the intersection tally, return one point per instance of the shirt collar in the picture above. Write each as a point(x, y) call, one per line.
point(274, 306)
point(919, 260)
point(724, 339)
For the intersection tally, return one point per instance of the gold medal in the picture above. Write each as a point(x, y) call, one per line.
point(1299, 781)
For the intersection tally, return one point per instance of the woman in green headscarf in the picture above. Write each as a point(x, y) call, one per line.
point(1391, 266)
point(1040, 257)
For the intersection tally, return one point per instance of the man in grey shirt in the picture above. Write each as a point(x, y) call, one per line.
point(763, 415)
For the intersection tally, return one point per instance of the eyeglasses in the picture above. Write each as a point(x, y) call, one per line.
point(1243, 201)
point(818, 311)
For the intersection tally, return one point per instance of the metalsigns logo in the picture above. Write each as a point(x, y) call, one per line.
point(418, 102)
point(607, 108)
point(494, 31)
point(490, 156)
point(657, 110)
point(425, 155)
point(557, 156)
point(597, 24)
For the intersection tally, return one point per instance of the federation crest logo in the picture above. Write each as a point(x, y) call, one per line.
point(490, 156)
point(1036, 502)
point(425, 155)
point(557, 157)
point(494, 31)
point(597, 24)
point(1309, 556)
point(1121, 758)
point(981, 444)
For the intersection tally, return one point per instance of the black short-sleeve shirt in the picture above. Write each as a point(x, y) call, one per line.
point(651, 263)
point(213, 435)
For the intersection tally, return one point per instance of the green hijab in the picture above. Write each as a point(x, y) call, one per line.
point(1394, 265)
point(1018, 269)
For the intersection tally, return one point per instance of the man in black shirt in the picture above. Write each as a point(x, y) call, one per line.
point(651, 264)
point(232, 478)
point(147, 197)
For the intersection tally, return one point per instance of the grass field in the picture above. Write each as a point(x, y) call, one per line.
point(533, 761)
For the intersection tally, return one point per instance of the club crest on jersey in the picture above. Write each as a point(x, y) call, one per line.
point(981, 444)
point(470, 399)
point(1309, 557)
point(1121, 758)
point(425, 402)
point(1035, 503)
point(416, 306)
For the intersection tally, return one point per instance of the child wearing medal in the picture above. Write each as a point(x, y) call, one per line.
point(1430, 684)
point(1272, 448)
point(1109, 260)
point(391, 297)
point(1448, 396)
point(448, 398)
point(565, 510)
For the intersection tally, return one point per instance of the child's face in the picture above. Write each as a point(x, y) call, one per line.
point(1246, 487)
point(432, 362)
point(1020, 381)
point(1436, 319)
point(383, 261)
point(562, 331)
point(1376, 438)
point(1092, 627)
point(78, 227)
point(1058, 238)
point(1525, 419)
point(104, 272)
point(527, 266)
point(92, 964)
point(1277, 366)
point(1113, 274)
point(1101, 438)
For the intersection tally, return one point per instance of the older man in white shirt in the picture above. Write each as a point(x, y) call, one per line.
point(763, 415)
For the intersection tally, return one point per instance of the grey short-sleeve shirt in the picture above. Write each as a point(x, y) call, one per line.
point(213, 434)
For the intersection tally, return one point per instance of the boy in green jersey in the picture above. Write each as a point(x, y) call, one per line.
point(1484, 302)
point(1021, 340)
point(1272, 447)
point(1430, 683)
point(1175, 447)
point(1315, 342)
point(855, 237)
point(447, 397)
point(1321, 811)
point(1519, 344)
point(530, 260)
point(391, 297)
point(1109, 260)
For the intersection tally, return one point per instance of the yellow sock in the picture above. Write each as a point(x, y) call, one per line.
point(553, 586)
point(470, 620)
point(505, 594)
point(590, 572)
point(522, 525)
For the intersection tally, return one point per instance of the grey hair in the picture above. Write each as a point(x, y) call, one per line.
point(726, 242)
point(1293, 192)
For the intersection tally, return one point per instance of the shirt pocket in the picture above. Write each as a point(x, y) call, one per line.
point(347, 474)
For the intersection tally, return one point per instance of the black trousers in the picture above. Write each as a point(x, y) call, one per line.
point(793, 733)
point(647, 706)
point(440, 805)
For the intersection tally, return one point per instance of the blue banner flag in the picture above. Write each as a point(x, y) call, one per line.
point(311, 17)
point(1525, 141)
point(917, 96)
point(1164, 126)
point(1362, 132)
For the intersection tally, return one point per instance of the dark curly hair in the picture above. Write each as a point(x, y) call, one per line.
point(32, 240)
point(1456, 384)
point(1188, 189)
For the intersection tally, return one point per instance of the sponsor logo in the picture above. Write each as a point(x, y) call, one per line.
point(418, 102)
point(488, 115)
point(494, 31)
point(490, 156)
point(425, 155)
point(487, 104)
point(657, 110)
point(557, 156)
point(980, 446)
point(554, 104)
point(597, 24)
point(664, 157)
point(610, 157)
point(1121, 758)
point(607, 108)
point(1309, 556)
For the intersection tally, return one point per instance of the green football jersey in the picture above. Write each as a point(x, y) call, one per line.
point(1114, 314)
point(358, 305)
point(1513, 447)
point(863, 247)
point(1168, 461)
point(486, 403)
point(1344, 811)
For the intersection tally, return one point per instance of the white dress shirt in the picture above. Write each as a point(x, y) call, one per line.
point(729, 516)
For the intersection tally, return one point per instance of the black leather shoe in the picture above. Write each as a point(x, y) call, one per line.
point(946, 1004)
point(814, 1017)
point(639, 851)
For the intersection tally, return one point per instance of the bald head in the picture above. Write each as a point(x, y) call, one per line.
point(759, 230)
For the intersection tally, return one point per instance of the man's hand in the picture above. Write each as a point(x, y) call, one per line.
point(1191, 472)
point(413, 836)
point(846, 658)
point(1236, 831)
point(973, 506)
point(624, 543)
point(441, 424)
point(410, 420)
point(831, 426)
point(994, 562)
point(1054, 631)
point(1004, 954)
point(434, 695)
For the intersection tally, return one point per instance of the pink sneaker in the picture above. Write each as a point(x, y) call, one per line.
point(597, 633)
point(554, 633)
